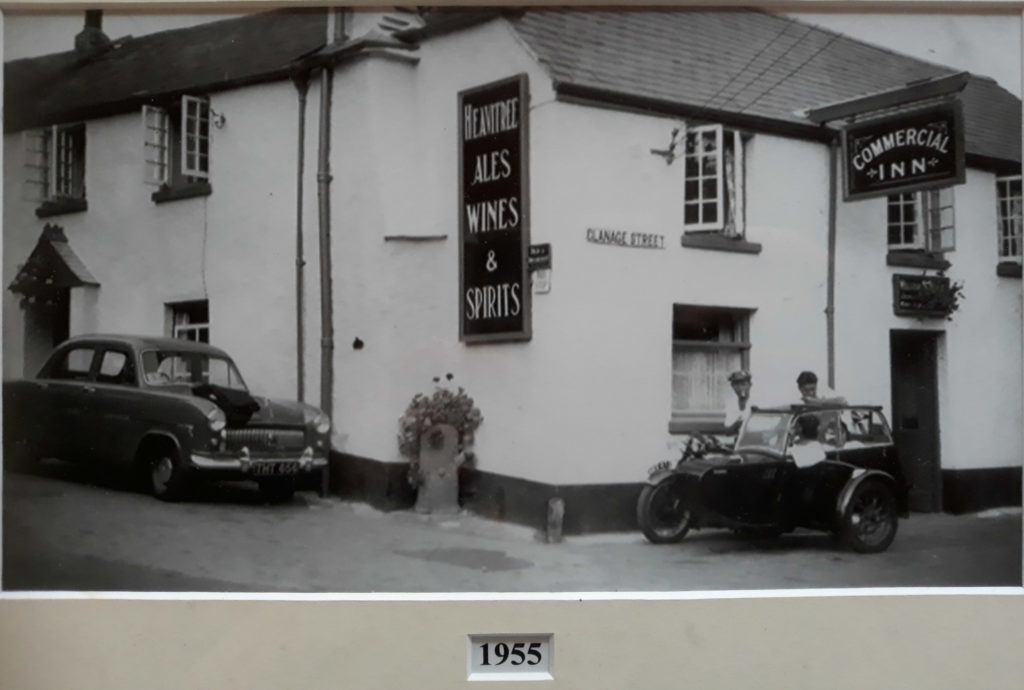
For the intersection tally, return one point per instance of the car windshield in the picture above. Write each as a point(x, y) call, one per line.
point(765, 430)
point(168, 368)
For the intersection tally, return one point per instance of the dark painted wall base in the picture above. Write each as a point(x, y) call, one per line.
point(964, 491)
point(599, 507)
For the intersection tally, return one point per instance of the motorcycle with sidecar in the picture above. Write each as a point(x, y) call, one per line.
point(857, 491)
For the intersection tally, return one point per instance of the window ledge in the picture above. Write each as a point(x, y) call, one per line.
point(182, 191)
point(1008, 269)
point(686, 426)
point(57, 207)
point(717, 242)
point(415, 238)
point(916, 260)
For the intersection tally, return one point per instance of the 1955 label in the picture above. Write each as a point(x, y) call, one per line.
point(509, 657)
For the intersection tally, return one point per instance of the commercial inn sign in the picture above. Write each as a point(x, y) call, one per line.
point(919, 149)
point(494, 299)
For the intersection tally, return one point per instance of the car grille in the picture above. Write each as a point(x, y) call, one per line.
point(266, 440)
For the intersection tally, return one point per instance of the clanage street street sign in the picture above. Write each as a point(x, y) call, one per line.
point(919, 149)
point(494, 294)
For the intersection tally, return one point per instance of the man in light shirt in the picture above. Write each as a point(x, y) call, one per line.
point(805, 448)
point(737, 408)
point(807, 382)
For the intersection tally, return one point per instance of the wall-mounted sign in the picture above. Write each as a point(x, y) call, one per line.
point(919, 149)
point(625, 238)
point(540, 256)
point(494, 299)
point(921, 296)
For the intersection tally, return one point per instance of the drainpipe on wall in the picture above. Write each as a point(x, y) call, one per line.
point(335, 34)
point(301, 81)
point(830, 308)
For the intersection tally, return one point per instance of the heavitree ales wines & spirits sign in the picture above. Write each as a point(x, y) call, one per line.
point(494, 299)
point(918, 149)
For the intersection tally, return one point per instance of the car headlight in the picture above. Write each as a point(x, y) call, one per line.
point(322, 424)
point(217, 419)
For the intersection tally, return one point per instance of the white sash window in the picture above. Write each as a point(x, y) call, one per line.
point(922, 221)
point(176, 142)
point(1008, 196)
point(55, 163)
point(713, 168)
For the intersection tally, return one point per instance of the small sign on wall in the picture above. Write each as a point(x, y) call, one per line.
point(494, 298)
point(920, 149)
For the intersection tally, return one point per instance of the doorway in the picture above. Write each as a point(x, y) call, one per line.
point(47, 324)
point(915, 414)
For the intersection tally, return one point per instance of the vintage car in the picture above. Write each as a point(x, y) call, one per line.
point(851, 485)
point(174, 410)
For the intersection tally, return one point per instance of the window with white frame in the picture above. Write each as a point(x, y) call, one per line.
point(55, 163)
point(176, 142)
point(191, 320)
point(922, 221)
point(707, 344)
point(1008, 196)
point(714, 178)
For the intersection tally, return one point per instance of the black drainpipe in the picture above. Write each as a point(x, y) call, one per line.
point(301, 81)
point(830, 308)
point(323, 178)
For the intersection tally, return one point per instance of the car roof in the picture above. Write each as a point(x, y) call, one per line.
point(814, 408)
point(148, 342)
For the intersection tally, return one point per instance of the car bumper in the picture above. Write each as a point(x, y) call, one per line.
point(246, 465)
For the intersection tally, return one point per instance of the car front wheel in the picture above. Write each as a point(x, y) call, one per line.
point(167, 479)
point(870, 520)
point(662, 513)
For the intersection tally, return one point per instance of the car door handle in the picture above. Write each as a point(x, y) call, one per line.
point(90, 389)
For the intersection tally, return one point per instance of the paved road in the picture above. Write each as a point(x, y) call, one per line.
point(64, 529)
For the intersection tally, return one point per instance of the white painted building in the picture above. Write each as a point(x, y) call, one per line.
point(631, 344)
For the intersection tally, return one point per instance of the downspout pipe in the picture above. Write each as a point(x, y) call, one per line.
point(301, 81)
point(830, 306)
point(323, 179)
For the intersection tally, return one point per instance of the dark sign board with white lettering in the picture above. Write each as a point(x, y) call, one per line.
point(914, 295)
point(539, 257)
point(494, 299)
point(919, 149)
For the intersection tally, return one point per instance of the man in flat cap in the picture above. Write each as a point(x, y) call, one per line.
point(737, 407)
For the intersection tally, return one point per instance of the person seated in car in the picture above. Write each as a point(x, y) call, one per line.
point(807, 383)
point(805, 448)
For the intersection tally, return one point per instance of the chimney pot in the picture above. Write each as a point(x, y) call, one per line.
point(91, 40)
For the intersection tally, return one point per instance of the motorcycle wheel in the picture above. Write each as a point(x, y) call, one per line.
point(870, 520)
point(661, 512)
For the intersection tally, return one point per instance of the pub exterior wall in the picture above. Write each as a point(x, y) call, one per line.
point(235, 246)
point(980, 349)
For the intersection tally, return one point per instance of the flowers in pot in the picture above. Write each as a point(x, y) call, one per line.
point(435, 433)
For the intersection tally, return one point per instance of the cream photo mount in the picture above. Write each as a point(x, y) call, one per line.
point(940, 639)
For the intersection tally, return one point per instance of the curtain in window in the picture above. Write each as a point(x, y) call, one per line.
point(730, 229)
point(700, 379)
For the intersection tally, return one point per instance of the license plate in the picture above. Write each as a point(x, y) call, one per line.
point(270, 469)
point(663, 465)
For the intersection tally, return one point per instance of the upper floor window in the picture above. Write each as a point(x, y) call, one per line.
point(1008, 196)
point(191, 321)
point(922, 221)
point(55, 164)
point(713, 171)
point(176, 144)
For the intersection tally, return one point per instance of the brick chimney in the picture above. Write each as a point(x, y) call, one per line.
point(91, 39)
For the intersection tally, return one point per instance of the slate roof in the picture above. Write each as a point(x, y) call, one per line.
point(721, 63)
point(745, 62)
point(59, 88)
